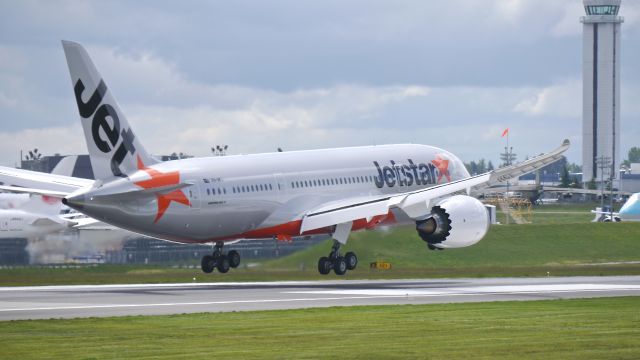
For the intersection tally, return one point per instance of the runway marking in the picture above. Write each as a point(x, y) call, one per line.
point(77, 307)
point(506, 289)
point(370, 294)
point(187, 285)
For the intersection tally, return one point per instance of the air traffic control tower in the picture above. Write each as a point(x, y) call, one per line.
point(600, 89)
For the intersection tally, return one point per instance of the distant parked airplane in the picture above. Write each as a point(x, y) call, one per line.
point(12, 200)
point(32, 216)
point(630, 211)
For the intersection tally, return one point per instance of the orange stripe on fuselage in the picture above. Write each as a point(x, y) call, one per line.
point(292, 228)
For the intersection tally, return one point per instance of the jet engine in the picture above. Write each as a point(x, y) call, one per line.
point(455, 222)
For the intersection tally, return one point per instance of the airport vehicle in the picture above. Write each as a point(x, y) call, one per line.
point(274, 195)
point(630, 211)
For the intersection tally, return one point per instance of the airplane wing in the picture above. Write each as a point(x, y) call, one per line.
point(87, 223)
point(418, 203)
point(19, 189)
point(43, 181)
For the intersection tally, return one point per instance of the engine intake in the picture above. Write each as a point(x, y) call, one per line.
point(455, 222)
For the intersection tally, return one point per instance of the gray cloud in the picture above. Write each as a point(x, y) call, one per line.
point(258, 75)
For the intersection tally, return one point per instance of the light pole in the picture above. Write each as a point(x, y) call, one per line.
point(603, 163)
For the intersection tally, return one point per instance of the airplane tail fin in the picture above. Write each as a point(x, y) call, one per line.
point(631, 208)
point(65, 166)
point(113, 147)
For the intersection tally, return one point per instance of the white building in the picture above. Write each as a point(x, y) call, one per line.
point(600, 87)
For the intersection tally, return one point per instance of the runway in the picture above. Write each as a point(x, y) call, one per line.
point(44, 302)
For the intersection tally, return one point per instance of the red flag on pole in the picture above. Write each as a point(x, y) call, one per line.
point(505, 132)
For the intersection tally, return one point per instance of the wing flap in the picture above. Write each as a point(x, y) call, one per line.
point(344, 211)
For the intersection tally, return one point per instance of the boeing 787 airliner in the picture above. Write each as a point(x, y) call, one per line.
point(275, 195)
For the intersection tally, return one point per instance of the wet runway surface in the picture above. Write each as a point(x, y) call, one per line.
point(44, 302)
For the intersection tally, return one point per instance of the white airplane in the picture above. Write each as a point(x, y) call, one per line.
point(273, 195)
point(38, 216)
point(13, 201)
point(32, 216)
point(630, 211)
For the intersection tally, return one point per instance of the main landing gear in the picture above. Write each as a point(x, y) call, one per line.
point(340, 264)
point(219, 260)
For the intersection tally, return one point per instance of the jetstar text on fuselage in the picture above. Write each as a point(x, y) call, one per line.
point(409, 174)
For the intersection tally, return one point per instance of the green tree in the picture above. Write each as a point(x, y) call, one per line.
point(634, 155)
point(564, 177)
point(482, 168)
point(591, 185)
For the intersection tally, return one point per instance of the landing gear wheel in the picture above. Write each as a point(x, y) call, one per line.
point(324, 265)
point(339, 265)
point(234, 258)
point(207, 264)
point(223, 264)
point(351, 259)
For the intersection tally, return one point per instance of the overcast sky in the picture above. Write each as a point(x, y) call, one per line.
point(258, 75)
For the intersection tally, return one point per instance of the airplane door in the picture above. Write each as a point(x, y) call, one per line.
point(193, 192)
point(280, 184)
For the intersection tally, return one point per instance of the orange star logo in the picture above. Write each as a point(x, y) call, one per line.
point(442, 165)
point(160, 179)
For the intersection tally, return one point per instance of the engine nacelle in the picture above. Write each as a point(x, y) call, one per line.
point(455, 222)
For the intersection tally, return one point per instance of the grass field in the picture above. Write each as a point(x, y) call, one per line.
point(560, 242)
point(605, 328)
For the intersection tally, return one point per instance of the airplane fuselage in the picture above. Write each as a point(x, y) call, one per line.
point(21, 224)
point(257, 196)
